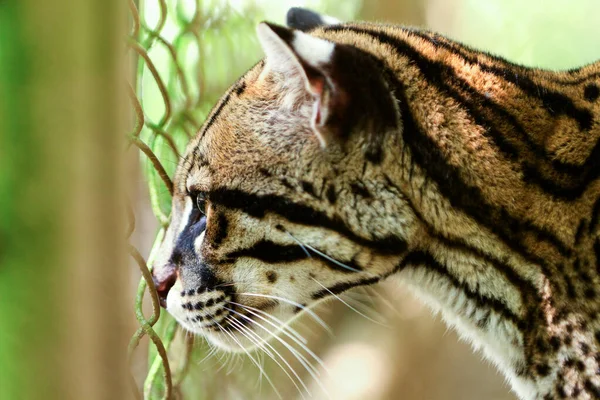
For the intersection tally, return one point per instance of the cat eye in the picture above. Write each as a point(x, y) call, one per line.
point(201, 202)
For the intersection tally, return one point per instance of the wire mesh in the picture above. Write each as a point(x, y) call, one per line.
point(170, 94)
point(185, 53)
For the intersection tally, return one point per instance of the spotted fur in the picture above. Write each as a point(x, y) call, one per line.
point(358, 151)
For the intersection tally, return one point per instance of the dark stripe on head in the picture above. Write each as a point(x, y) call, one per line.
point(342, 287)
point(258, 205)
point(270, 252)
point(215, 114)
point(577, 81)
point(217, 234)
point(238, 88)
point(274, 253)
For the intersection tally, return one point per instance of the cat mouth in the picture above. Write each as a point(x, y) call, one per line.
point(225, 319)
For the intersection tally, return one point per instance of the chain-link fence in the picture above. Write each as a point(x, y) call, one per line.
point(171, 92)
point(185, 54)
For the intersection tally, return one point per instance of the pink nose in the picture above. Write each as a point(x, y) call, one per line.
point(164, 278)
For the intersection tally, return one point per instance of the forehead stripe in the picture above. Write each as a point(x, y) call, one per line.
point(215, 114)
point(238, 89)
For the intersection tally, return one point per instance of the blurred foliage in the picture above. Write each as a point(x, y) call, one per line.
point(555, 34)
point(61, 143)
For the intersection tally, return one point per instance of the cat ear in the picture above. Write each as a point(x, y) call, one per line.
point(305, 20)
point(306, 63)
point(347, 86)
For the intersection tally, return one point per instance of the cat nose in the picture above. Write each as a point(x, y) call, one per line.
point(164, 278)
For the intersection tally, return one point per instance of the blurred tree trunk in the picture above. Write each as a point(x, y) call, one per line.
point(62, 269)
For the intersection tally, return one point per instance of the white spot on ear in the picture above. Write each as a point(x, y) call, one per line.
point(313, 50)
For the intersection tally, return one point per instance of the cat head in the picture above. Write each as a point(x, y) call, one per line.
point(280, 200)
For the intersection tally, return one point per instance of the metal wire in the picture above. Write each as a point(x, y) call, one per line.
point(184, 53)
point(169, 98)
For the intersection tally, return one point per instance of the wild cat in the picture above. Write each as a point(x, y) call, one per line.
point(357, 151)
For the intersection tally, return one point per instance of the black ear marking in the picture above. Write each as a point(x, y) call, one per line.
point(303, 19)
point(346, 84)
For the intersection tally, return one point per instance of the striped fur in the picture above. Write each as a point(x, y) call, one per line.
point(400, 153)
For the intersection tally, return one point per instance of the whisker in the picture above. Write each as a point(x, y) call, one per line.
point(385, 301)
point(283, 325)
point(224, 285)
point(364, 308)
point(303, 307)
point(261, 360)
point(348, 305)
point(325, 256)
point(307, 365)
point(225, 356)
point(362, 296)
point(299, 343)
point(261, 343)
point(213, 351)
point(260, 368)
point(234, 361)
point(300, 244)
point(290, 348)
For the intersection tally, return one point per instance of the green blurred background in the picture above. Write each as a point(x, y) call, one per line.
point(97, 101)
